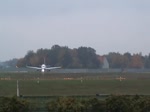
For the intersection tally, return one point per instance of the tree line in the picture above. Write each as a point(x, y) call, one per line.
point(111, 104)
point(120, 103)
point(82, 57)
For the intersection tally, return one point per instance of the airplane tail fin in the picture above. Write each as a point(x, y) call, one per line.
point(44, 61)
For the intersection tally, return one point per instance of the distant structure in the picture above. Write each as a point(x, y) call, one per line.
point(104, 61)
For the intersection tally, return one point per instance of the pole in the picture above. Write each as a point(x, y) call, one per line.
point(17, 89)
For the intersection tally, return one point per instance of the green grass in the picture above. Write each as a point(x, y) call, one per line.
point(55, 85)
point(74, 87)
point(7, 88)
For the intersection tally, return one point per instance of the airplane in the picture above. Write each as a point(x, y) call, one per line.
point(43, 67)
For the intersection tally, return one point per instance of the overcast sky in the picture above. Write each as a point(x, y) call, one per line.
point(105, 25)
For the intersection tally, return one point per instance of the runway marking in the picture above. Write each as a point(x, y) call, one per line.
point(120, 78)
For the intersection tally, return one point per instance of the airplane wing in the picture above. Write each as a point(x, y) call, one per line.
point(50, 68)
point(38, 68)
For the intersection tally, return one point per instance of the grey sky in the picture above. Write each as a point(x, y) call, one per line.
point(105, 25)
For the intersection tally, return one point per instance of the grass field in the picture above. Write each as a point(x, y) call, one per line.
point(36, 84)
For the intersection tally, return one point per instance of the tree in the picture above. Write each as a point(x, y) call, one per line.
point(65, 58)
point(13, 105)
point(136, 61)
point(64, 105)
point(118, 104)
point(88, 57)
point(97, 105)
point(28, 56)
point(115, 60)
point(21, 62)
point(75, 60)
point(147, 61)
